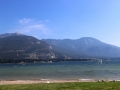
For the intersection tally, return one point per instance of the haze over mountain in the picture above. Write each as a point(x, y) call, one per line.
point(10, 34)
point(15, 45)
point(88, 46)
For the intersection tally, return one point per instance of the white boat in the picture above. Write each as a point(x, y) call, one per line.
point(23, 63)
point(100, 61)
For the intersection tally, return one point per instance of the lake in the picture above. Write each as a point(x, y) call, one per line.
point(61, 70)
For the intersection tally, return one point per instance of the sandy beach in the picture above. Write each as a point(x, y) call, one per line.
point(8, 82)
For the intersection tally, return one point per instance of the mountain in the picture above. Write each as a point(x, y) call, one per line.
point(86, 46)
point(18, 46)
point(10, 34)
point(25, 47)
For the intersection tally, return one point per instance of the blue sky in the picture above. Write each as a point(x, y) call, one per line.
point(61, 19)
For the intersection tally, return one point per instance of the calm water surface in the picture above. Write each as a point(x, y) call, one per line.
point(61, 70)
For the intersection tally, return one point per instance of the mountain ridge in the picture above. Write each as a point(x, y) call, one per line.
point(26, 47)
point(85, 47)
point(10, 34)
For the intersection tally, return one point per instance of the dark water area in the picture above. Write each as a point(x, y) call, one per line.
point(61, 70)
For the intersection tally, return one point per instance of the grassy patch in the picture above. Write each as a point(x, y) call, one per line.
point(65, 86)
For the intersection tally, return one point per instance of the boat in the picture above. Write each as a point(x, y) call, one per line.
point(23, 63)
point(100, 61)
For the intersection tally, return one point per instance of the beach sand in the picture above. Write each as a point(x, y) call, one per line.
point(8, 82)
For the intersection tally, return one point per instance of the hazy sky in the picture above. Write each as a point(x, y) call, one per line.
point(60, 19)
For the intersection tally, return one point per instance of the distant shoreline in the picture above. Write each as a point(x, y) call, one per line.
point(21, 61)
point(43, 60)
